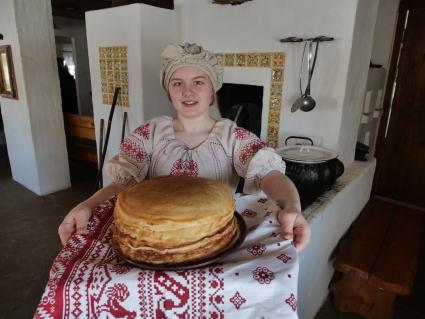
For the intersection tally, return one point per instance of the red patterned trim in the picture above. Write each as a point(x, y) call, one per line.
point(263, 275)
point(249, 213)
point(143, 131)
point(237, 300)
point(257, 249)
point(132, 150)
point(184, 168)
point(241, 133)
point(292, 302)
point(250, 149)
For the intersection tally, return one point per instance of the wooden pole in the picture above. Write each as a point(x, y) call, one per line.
point(101, 134)
point(108, 131)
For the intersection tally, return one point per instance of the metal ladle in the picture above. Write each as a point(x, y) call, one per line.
point(309, 103)
point(306, 102)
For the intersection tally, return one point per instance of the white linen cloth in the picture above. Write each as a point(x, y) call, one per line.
point(258, 280)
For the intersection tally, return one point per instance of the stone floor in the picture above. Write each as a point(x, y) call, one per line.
point(28, 236)
point(29, 242)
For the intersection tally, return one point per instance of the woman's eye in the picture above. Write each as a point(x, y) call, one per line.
point(199, 82)
point(176, 83)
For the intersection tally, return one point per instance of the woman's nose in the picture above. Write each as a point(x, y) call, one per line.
point(187, 91)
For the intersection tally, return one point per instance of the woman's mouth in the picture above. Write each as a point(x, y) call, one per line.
point(189, 103)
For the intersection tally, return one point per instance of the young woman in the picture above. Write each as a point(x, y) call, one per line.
point(195, 144)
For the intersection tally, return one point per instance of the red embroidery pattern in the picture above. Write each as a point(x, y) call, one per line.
point(182, 294)
point(292, 302)
point(100, 215)
point(116, 295)
point(257, 249)
point(284, 257)
point(132, 150)
point(145, 293)
point(143, 131)
point(237, 300)
point(216, 298)
point(262, 200)
point(249, 213)
point(263, 275)
point(120, 269)
point(241, 133)
point(171, 295)
point(184, 168)
point(250, 149)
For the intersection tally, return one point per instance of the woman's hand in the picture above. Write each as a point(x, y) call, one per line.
point(293, 224)
point(77, 219)
point(74, 222)
point(295, 227)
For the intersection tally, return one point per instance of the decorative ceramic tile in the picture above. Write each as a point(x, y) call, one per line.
point(240, 59)
point(277, 75)
point(275, 61)
point(253, 60)
point(264, 60)
point(220, 58)
point(276, 89)
point(275, 102)
point(114, 73)
point(229, 59)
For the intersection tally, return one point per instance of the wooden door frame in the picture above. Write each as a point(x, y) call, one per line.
point(404, 6)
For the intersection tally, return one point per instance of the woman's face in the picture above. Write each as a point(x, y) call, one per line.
point(191, 91)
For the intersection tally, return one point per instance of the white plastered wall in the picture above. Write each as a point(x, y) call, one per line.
point(361, 52)
point(257, 26)
point(384, 32)
point(33, 124)
point(145, 30)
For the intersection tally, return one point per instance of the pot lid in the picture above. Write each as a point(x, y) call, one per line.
point(307, 154)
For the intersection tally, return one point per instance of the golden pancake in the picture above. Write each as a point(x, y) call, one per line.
point(175, 219)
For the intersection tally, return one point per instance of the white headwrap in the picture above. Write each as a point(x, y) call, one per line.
point(190, 54)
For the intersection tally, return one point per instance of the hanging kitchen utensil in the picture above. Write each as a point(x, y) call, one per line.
point(306, 102)
point(309, 103)
point(108, 131)
point(298, 102)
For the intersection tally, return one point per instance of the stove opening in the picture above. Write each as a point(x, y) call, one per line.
point(243, 104)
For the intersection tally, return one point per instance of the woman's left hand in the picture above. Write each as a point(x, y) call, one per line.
point(294, 226)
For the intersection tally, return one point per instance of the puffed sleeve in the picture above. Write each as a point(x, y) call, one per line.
point(253, 160)
point(132, 163)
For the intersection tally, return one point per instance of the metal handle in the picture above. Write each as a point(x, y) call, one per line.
point(311, 65)
point(301, 69)
point(298, 137)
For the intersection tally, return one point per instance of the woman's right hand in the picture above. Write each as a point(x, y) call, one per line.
point(77, 219)
point(74, 222)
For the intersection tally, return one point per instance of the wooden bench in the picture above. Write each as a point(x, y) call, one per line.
point(378, 260)
point(81, 137)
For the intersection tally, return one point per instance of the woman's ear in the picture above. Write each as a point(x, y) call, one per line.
point(213, 98)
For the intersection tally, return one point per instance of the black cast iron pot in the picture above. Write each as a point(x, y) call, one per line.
point(312, 169)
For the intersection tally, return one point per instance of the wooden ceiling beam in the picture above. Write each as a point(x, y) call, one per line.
point(76, 8)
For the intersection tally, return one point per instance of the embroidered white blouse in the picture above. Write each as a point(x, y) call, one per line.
point(229, 152)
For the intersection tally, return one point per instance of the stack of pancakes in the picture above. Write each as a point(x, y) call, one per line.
point(175, 219)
